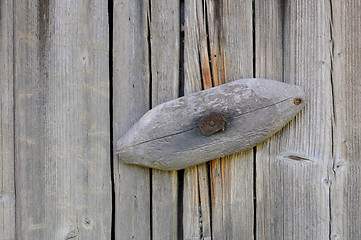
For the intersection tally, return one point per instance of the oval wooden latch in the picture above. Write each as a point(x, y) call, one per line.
point(188, 131)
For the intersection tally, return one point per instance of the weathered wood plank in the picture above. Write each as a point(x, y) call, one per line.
point(196, 203)
point(231, 43)
point(63, 183)
point(7, 184)
point(164, 39)
point(345, 188)
point(218, 47)
point(292, 168)
point(192, 222)
point(269, 16)
point(168, 137)
point(131, 79)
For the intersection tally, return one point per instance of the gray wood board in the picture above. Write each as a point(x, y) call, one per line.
point(7, 184)
point(218, 47)
point(167, 137)
point(164, 39)
point(293, 43)
point(346, 75)
point(63, 183)
point(131, 80)
point(196, 202)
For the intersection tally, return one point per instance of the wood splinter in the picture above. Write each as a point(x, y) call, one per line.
point(188, 131)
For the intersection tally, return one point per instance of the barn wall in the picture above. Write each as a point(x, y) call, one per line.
point(76, 75)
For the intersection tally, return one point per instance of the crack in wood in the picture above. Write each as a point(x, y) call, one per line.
point(190, 129)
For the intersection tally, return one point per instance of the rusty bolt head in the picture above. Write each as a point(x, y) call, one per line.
point(297, 101)
point(212, 123)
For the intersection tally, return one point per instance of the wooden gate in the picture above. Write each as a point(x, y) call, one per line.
point(75, 76)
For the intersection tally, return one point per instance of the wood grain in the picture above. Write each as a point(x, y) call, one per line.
point(165, 40)
point(218, 48)
point(346, 74)
point(62, 146)
point(7, 184)
point(293, 181)
point(131, 84)
point(55, 120)
point(196, 202)
point(230, 24)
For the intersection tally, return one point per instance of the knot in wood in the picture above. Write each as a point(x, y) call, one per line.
point(212, 124)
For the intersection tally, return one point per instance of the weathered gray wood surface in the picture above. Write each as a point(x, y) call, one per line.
point(346, 77)
point(164, 25)
point(7, 183)
point(168, 137)
point(306, 177)
point(293, 43)
point(63, 189)
point(218, 47)
point(131, 79)
point(196, 202)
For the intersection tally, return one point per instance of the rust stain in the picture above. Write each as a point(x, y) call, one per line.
point(218, 67)
point(225, 176)
point(214, 73)
point(86, 70)
point(82, 208)
point(194, 169)
point(219, 77)
point(224, 70)
point(221, 160)
point(213, 194)
point(206, 72)
point(214, 61)
point(62, 205)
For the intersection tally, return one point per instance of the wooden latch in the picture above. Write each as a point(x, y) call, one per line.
point(210, 124)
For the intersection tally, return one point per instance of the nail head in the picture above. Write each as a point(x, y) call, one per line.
point(297, 101)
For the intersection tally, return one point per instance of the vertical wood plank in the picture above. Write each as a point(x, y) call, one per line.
point(63, 183)
point(196, 214)
point(218, 48)
point(345, 188)
point(230, 31)
point(7, 184)
point(293, 182)
point(269, 17)
point(194, 225)
point(164, 38)
point(131, 84)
